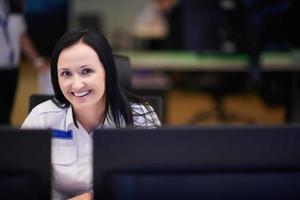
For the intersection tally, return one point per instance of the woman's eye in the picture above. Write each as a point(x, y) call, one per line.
point(87, 71)
point(66, 73)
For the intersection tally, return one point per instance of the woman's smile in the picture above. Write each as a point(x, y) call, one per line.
point(81, 94)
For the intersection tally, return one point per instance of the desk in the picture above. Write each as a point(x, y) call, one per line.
point(186, 61)
point(212, 62)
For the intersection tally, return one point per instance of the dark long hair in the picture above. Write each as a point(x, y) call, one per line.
point(116, 101)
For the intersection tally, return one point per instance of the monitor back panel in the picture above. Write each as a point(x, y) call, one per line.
point(25, 164)
point(198, 163)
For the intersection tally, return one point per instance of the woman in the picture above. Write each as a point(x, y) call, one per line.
point(87, 96)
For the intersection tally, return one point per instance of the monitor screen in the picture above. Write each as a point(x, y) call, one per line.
point(198, 163)
point(25, 164)
point(238, 26)
point(46, 18)
point(37, 6)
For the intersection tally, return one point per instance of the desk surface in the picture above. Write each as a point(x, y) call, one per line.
point(192, 61)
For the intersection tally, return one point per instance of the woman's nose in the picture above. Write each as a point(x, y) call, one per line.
point(78, 83)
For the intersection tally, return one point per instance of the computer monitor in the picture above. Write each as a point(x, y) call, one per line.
point(46, 18)
point(198, 163)
point(25, 164)
point(239, 26)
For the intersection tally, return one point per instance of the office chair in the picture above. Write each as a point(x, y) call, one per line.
point(157, 103)
point(36, 99)
point(124, 73)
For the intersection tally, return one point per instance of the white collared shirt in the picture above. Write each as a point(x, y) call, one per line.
point(72, 156)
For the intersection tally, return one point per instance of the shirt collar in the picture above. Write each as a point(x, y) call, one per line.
point(108, 122)
point(69, 117)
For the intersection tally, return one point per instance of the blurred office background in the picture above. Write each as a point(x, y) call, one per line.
point(251, 32)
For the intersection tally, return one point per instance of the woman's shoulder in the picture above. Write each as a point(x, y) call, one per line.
point(47, 107)
point(45, 115)
point(141, 108)
point(144, 116)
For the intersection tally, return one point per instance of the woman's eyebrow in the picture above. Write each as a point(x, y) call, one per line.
point(63, 69)
point(81, 67)
point(88, 65)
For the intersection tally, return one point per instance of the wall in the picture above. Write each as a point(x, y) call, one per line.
point(117, 15)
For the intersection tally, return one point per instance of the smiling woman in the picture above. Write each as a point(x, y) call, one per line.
point(81, 77)
point(88, 96)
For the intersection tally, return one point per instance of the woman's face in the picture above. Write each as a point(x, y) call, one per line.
point(81, 76)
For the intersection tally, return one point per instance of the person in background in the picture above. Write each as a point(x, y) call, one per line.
point(87, 97)
point(152, 24)
point(13, 39)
